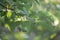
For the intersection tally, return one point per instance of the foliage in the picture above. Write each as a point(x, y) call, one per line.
point(19, 19)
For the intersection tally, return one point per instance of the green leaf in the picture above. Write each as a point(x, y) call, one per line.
point(9, 13)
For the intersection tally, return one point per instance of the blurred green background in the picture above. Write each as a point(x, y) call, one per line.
point(29, 19)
